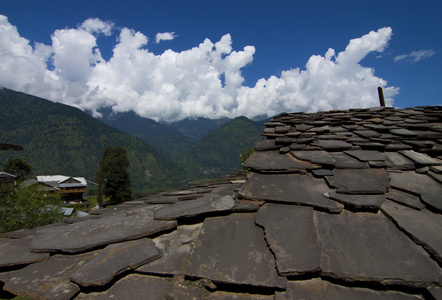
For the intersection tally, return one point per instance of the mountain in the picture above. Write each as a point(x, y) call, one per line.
point(60, 139)
point(164, 138)
point(197, 127)
point(217, 152)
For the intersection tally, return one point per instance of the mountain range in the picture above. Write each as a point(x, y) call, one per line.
point(60, 139)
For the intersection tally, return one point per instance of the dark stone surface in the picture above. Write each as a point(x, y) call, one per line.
point(362, 202)
point(133, 287)
point(366, 155)
point(15, 252)
point(359, 181)
point(344, 161)
point(405, 199)
point(332, 145)
point(48, 279)
point(115, 259)
point(176, 248)
point(266, 145)
point(423, 226)
point(362, 237)
point(320, 289)
point(220, 295)
point(232, 250)
point(290, 188)
point(421, 185)
point(272, 161)
point(94, 233)
point(322, 172)
point(421, 158)
point(396, 161)
point(192, 208)
point(291, 235)
point(320, 157)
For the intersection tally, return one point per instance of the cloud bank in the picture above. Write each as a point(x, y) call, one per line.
point(414, 56)
point(204, 81)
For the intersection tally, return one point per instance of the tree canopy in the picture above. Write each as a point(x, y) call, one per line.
point(18, 167)
point(114, 176)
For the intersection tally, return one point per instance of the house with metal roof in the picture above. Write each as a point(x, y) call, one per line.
point(71, 189)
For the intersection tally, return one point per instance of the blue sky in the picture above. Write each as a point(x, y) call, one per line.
point(271, 56)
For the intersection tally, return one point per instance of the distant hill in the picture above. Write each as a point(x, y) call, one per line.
point(164, 138)
point(197, 127)
point(217, 152)
point(60, 139)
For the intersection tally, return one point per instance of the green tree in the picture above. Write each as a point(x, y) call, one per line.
point(18, 167)
point(28, 208)
point(114, 166)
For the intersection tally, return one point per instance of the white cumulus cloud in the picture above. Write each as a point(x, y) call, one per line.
point(204, 81)
point(165, 36)
point(414, 56)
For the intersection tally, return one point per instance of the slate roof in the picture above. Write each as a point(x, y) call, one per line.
point(337, 205)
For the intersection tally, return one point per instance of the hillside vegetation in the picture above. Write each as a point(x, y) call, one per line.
point(60, 139)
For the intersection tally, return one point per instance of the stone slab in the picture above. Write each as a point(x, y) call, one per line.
point(191, 208)
point(318, 157)
point(332, 145)
point(359, 202)
point(366, 155)
point(48, 279)
point(423, 226)
point(14, 252)
point(115, 259)
point(421, 158)
point(221, 295)
point(404, 132)
point(359, 247)
point(320, 289)
point(397, 161)
point(359, 181)
point(405, 199)
point(430, 191)
point(291, 235)
point(290, 188)
point(176, 248)
point(272, 161)
point(91, 234)
point(232, 249)
point(133, 286)
point(344, 161)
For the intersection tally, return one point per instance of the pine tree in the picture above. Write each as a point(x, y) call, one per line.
point(114, 166)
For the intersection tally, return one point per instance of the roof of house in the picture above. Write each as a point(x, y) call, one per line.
point(4, 174)
point(336, 205)
point(61, 180)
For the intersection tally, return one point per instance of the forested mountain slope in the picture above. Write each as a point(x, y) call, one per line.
point(60, 139)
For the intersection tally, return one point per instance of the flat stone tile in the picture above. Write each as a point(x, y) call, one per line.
point(397, 161)
point(403, 132)
point(424, 226)
point(367, 133)
point(368, 247)
point(221, 295)
point(421, 158)
point(290, 188)
point(191, 208)
point(359, 181)
point(133, 287)
point(320, 157)
point(344, 161)
point(430, 191)
point(366, 155)
point(48, 279)
point(176, 248)
point(436, 292)
point(15, 252)
point(332, 145)
point(266, 145)
point(115, 259)
point(272, 161)
point(232, 249)
point(405, 199)
point(291, 234)
point(91, 234)
point(359, 202)
point(320, 289)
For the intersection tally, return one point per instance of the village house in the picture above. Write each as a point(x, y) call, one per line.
point(71, 189)
point(6, 181)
